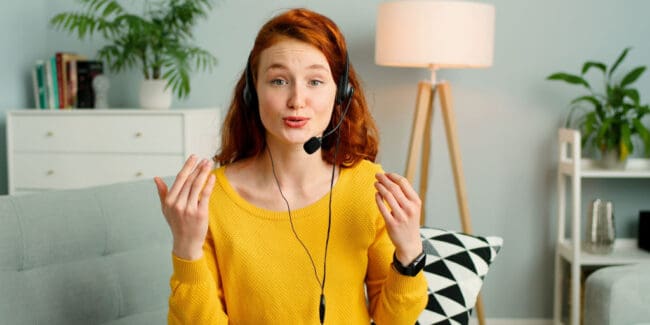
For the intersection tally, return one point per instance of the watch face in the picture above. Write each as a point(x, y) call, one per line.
point(413, 268)
point(419, 259)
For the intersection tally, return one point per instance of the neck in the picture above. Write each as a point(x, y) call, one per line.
point(293, 168)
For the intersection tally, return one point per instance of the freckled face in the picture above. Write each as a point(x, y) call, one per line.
point(296, 92)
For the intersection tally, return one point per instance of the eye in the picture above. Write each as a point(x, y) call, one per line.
point(278, 82)
point(315, 82)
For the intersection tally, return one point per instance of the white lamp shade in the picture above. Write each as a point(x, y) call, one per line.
point(435, 34)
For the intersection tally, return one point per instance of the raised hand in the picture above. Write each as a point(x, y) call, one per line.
point(402, 215)
point(185, 206)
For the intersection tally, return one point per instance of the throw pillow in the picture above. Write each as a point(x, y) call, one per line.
point(456, 266)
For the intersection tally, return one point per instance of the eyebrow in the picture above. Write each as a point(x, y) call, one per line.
point(315, 66)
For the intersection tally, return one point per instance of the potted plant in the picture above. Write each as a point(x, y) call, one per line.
point(156, 41)
point(616, 113)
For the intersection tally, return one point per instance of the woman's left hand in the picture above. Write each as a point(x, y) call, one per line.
point(403, 217)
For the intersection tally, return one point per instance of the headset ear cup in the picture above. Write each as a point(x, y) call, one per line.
point(248, 94)
point(345, 89)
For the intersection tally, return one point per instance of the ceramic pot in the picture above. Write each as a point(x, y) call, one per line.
point(153, 94)
point(609, 159)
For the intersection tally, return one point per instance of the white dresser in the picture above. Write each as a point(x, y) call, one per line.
point(78, 148)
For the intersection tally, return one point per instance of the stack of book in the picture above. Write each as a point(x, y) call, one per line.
point(64, 81)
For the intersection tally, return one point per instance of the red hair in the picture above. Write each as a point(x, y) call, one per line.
point(243, 134)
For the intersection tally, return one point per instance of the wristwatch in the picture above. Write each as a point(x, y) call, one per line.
point(411, 269)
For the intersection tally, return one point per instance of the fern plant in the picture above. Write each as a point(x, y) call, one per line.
point(617, 112)
point(157, 41)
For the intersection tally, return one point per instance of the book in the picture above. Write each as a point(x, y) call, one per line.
point(86, 71)
point(51, 82)
point(65, 79)
point(38, 81)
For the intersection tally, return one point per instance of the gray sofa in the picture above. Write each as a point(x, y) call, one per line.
point(618, 295)
point(100, 255)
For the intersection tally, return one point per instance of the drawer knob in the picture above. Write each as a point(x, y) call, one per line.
point(50, 172)
point(138, 174)
point(49, 134)
point(138, 134)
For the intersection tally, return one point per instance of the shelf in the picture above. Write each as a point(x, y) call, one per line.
point(625, 249)
point(625, 252)
point(636, 168)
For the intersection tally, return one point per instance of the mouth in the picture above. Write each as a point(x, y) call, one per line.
point(295, 121)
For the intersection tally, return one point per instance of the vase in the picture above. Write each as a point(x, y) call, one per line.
point(610, 159)
point(153, 94)
point(600, 231)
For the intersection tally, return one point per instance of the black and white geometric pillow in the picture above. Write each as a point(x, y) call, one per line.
point(456, 266)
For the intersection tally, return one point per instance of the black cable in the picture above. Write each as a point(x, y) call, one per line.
point(277, 182)
point(321, 307)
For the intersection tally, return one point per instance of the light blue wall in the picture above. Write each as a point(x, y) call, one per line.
point(507, 115)
point(22, 42)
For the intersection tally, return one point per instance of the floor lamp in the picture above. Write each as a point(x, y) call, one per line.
point(436, 35)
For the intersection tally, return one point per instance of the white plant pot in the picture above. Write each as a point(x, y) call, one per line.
point(153, 94)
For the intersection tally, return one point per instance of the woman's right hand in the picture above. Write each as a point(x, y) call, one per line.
point(185, 206)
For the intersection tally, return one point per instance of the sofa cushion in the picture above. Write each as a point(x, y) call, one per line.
point(98, 255)
point(455, 268)
point(618, 295)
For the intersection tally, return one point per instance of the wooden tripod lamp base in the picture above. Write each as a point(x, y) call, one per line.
point(420, 148)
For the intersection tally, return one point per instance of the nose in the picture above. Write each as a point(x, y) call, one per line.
point(297, 97)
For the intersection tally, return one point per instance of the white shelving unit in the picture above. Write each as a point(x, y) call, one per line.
point(58, 149)
point(572, 168)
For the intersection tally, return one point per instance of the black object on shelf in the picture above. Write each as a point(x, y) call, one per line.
point(644, 230)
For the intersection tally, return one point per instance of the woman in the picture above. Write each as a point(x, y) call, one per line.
point(279, 236)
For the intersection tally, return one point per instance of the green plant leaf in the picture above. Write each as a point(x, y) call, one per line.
point(601, 140)
point(625, 144)
point(620, 59)
point(158, 40)
point(642, 110)
point(593, 64)
point(633, 95)
point(615, 95)
point(570, 78)
point(589, 125)
point(644, 134)
point(632, 76)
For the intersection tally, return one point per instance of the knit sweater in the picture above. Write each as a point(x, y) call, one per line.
point(255, 271)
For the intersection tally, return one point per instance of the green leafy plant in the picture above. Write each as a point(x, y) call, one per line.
point(616, 114)
point(157, 41)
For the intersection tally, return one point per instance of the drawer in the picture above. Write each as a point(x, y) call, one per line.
point(104, 133)
point(51, 171)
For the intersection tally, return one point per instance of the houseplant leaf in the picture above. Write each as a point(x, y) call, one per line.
point(570, 78)
point(157, 40)
point(644, 134)
point(593, 64)
point(632, 76)
point(625, 144)
point(616, 114)
point(633, 95)
point(618, 61)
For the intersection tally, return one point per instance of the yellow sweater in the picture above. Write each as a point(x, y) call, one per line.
point(254, 270)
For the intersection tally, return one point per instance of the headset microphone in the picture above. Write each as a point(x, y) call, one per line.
point(314, 143)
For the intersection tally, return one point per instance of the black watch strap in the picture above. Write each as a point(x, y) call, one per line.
point(411, 269)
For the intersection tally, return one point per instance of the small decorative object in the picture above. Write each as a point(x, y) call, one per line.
point(644, 230)
point(100, 87)
point(616, 114)
point(157, 40)
point(600, 231)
